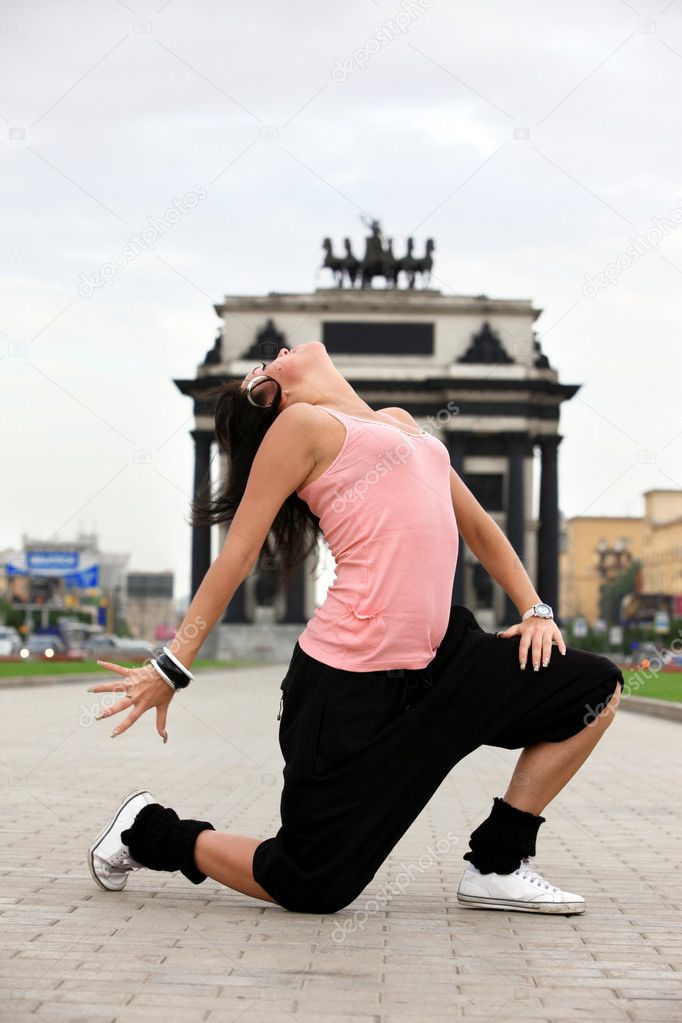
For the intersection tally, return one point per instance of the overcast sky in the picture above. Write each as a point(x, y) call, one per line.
point(538, 144)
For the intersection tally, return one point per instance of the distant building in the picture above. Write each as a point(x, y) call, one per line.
point(594, 549)
point(662, 555)
point(67, 574)
point(151, 607)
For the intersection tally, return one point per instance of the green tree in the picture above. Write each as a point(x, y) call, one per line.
point(612, 591)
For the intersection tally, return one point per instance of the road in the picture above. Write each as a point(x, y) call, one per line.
point(405, 950)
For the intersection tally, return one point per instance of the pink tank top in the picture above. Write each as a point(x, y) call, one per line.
point(385, 510)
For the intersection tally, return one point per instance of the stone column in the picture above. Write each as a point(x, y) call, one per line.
point(201, 535)
point(519, 447)
point(547, 583)
point(235, 612)
point(456, 444)
point(294, 608)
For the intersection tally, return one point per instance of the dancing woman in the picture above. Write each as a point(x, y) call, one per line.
point(388, 686)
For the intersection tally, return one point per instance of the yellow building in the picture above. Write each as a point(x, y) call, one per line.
point(594, 549)
point(662, 551)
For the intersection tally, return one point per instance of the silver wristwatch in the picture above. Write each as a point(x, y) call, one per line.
point(538, 611)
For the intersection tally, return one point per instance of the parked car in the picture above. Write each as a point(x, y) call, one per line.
point(106, 646)
point(10, 641)
point(43, 646)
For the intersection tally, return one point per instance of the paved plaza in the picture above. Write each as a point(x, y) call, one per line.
point(164, 949)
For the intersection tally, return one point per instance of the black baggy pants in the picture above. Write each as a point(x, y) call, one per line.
point(365, 751)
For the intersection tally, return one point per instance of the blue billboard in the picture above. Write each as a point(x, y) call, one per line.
point(76, 569)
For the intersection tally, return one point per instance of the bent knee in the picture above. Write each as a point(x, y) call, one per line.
point(319, 905)
point(320, 899)
point(617, 693)
point(612, 701)
point(612, 705)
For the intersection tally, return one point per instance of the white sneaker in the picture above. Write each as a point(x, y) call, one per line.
point(109, 859)
point(524, 889)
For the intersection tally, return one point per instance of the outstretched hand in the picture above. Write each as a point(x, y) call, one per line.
point(538, 633)
point(143, 688)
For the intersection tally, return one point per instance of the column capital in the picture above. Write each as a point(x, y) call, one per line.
point(549, 441)
point(456, 438)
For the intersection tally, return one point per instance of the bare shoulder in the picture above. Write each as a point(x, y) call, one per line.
point(401, 415)
point(309, 419)
point(292, 430)
point(305, 427)
point(296, 419)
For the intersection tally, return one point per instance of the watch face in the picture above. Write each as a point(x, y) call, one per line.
point(544, 609)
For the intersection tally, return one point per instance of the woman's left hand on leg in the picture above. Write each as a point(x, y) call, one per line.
point(538, 633)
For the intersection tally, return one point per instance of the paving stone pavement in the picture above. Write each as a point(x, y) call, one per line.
point(164, 949)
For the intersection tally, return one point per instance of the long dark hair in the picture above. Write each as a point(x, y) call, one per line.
point(239, 430)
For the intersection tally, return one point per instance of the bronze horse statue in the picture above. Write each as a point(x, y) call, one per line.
point(332, 262)
point(378, 261)
point(425, 264)
point(412, 265)
point(351, 263)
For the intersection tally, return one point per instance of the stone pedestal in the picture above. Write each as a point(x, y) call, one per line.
point(257, 640)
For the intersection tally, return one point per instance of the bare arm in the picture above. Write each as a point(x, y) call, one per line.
point(284, 459)
point(496, 554)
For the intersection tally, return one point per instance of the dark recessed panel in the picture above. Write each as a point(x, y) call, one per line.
point(344, 338)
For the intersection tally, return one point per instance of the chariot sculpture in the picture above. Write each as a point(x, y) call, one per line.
point(379, 260)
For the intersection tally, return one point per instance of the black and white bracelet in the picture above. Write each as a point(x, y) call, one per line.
point(171, 670)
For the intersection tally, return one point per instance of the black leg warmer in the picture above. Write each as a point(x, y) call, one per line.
point(158, 839)
point(505, 838)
